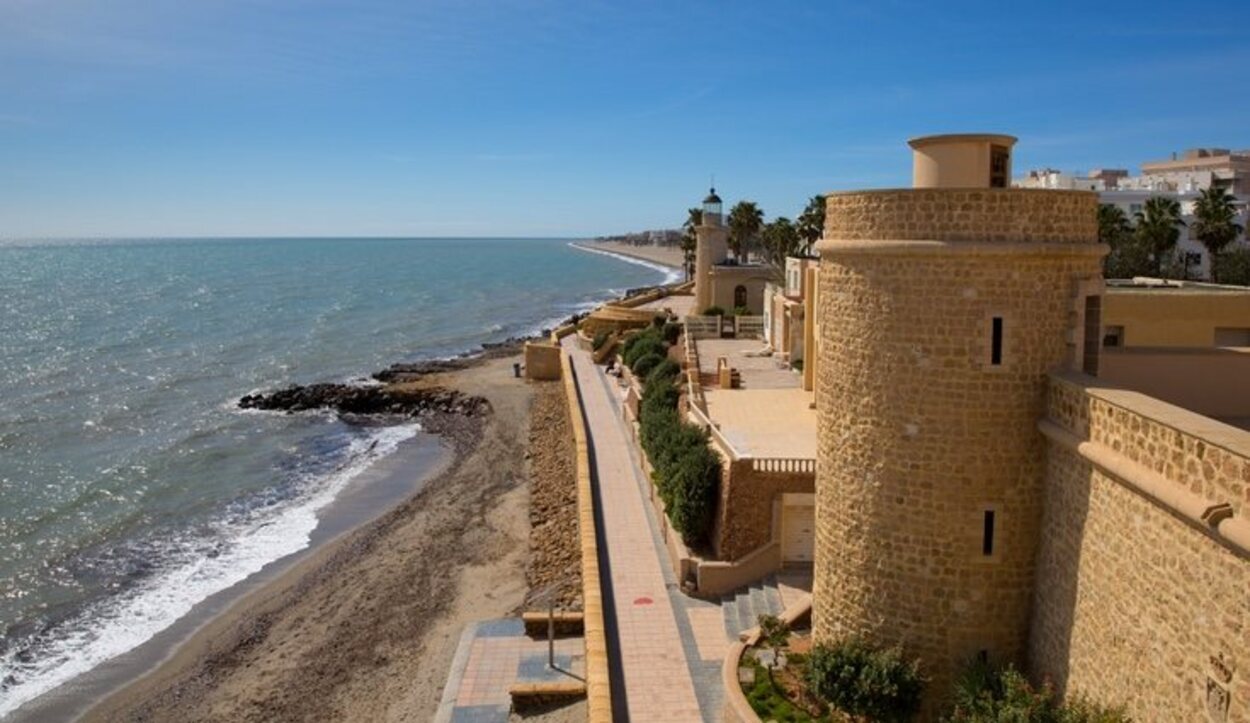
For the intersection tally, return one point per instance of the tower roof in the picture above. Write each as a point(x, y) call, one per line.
point(711, 196)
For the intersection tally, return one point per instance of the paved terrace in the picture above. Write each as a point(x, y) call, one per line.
point(682, 305)
point(770, 415)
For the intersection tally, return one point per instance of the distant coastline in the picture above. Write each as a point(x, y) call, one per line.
point(668, 257)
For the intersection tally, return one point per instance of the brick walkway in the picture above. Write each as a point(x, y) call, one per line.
point(494, 654)
point(648, 646)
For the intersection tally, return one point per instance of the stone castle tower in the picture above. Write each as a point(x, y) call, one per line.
point(712, 247)
point(942, 308)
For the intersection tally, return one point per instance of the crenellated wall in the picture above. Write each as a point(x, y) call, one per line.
point(1143, 576)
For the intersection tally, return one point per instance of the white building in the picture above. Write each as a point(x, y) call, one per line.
point(1181, 179)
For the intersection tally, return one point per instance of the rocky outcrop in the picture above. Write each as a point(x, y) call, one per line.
point(359, 400)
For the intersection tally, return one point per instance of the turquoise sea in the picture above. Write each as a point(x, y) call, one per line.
point(132, 488)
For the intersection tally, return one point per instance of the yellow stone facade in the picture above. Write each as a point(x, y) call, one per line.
point(1137, 602)
point(920, 431)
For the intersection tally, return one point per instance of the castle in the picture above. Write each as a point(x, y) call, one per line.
point(979, 492)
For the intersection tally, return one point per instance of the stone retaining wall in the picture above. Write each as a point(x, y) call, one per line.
point(744, 520)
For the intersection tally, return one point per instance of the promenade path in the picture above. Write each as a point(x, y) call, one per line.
point(649, 629)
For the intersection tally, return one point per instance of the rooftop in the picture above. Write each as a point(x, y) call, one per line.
point(770, 415)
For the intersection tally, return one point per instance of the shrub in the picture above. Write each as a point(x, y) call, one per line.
point(876, 684)
point(643, 365)
point(659, 320)
point(686, 471)
point(1233, 267)
point(741, 311)
point(985, 694)
point(666, 370)
point(713, 311)
point(600, 339)
point(693, 482)
point(670, 332)
point(643, 345)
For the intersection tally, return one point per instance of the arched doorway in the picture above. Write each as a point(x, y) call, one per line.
point(740, 296)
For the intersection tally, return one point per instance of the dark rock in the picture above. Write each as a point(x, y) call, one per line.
point(353, 401)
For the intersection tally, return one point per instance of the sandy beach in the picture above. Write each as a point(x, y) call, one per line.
point(663, 255)
point(365, 627)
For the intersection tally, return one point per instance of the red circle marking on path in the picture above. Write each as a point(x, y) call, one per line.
point(643, 601)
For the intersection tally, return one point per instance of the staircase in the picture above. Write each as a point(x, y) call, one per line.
point(743, 607)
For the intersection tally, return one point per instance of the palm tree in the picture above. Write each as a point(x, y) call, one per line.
point(1215, 224)
point(1128, 256)
point(689, 240)
point(1159, 228)
point(745, 221)
point(781, 239)
point(811, 223)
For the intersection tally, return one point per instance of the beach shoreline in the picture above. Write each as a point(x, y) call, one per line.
point(669, 257)
point(366, 623)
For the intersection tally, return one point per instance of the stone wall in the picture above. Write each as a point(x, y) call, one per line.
point(542, 361)
point(1135, 604)
point(1008, 214)
point(744, 520)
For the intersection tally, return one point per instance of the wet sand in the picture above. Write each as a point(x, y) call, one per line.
point(364, 627)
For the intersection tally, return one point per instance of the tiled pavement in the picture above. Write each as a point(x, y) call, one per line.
point(493, 655)
point(667, 647)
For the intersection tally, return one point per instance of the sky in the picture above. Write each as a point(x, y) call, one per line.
point(136, 118)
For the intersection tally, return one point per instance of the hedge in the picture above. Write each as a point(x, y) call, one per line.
point(686, 471)
point(986, 694)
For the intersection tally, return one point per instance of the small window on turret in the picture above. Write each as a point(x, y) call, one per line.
point(996, 341)
point(987, 534)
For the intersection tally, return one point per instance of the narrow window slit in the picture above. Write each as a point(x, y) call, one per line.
point(987, 534)
point(996, 341)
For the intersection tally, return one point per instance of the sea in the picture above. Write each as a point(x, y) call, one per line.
point(132, 488)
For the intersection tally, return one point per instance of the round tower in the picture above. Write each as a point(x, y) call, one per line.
point(711, 247)
point(942, 309)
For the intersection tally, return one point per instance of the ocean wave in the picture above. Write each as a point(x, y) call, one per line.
point(243, 545)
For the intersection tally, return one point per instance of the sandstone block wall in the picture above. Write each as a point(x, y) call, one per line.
point(1134, 605)
point(745, 518)
point(1021, 215)
point(542, 361)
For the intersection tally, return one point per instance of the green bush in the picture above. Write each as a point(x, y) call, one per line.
point(1233, 267)
point(985, 694)
point(600, 339)
point(643, 365)
point(643, 345)
point(666, 370)
point(670, 332)
point(713, 311)
point(693, 483)
point(686, 471)
point(860, 680)
point(741, 311)
point(659, 320)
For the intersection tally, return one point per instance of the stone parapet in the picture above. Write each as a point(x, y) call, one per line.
point(956, 214)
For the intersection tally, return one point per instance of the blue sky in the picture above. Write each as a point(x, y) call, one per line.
point(461, 118)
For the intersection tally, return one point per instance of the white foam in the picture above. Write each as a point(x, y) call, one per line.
point(672, 274)
point(116, 625)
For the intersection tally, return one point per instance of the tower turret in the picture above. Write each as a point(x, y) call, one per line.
point(942, 309)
